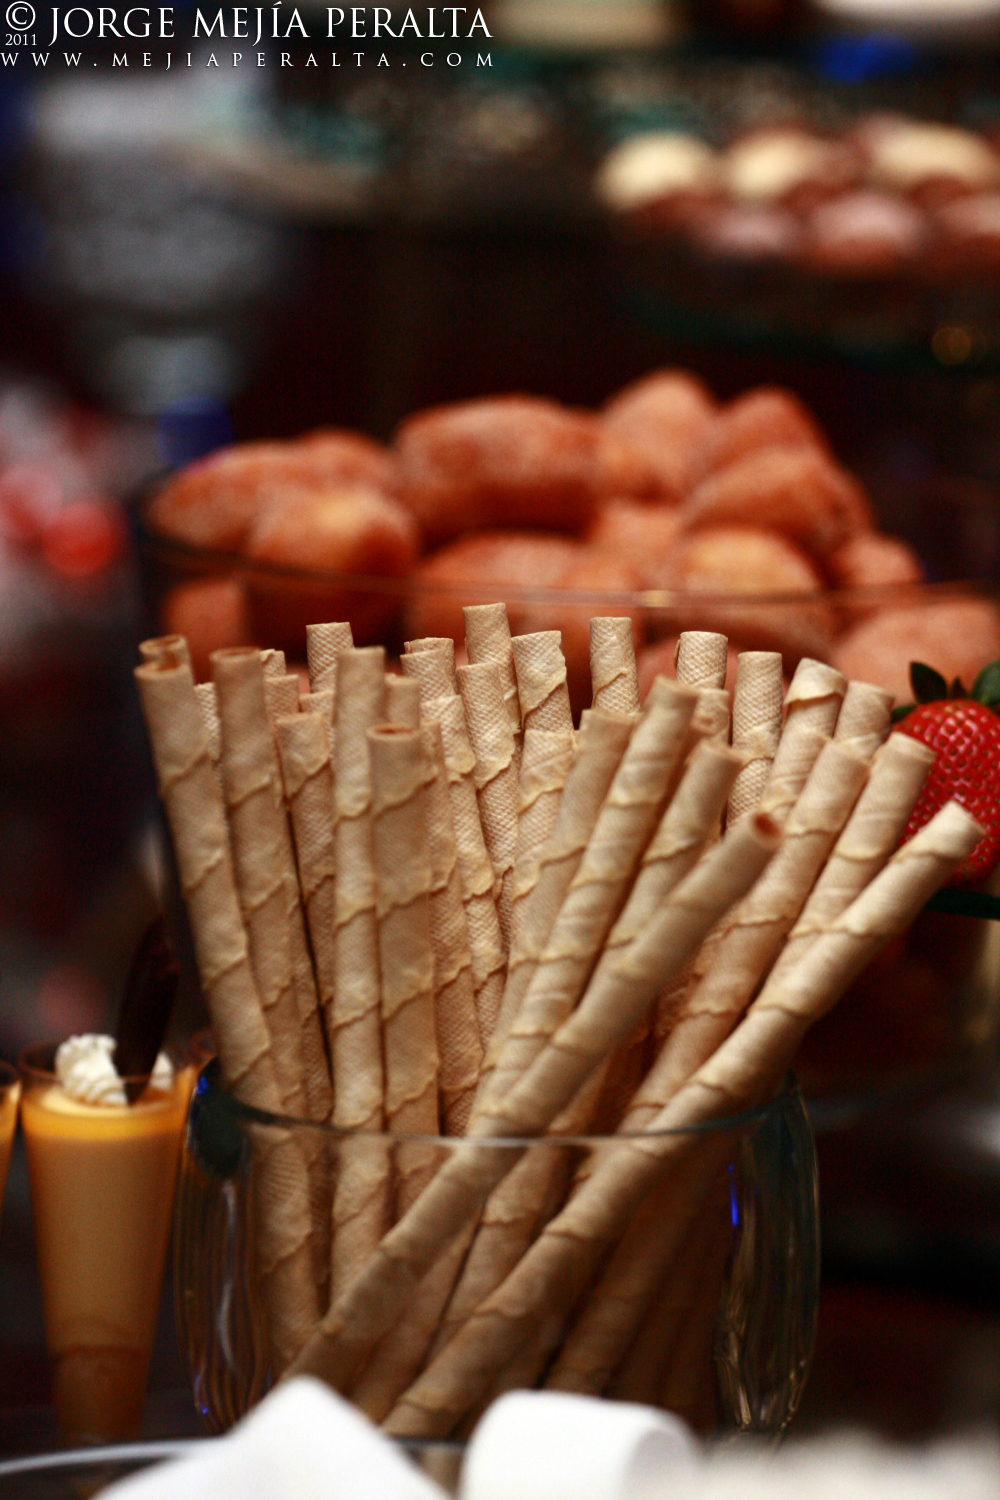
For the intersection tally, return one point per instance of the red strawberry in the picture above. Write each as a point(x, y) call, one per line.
point(964, 729)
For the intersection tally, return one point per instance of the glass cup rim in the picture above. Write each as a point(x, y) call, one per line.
point(250, 1114)
point(33, 1068)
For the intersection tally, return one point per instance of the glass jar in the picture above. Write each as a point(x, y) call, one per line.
point(716, 1251)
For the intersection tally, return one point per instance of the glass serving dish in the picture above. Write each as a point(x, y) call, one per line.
point(722, 1240)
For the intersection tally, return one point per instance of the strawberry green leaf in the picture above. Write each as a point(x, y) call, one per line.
point(900, 712)
point(986, 688)
point(928, 686)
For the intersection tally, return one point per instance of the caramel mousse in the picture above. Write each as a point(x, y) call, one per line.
point(103, 1174)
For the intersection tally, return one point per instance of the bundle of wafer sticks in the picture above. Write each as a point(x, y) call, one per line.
point(425, 903)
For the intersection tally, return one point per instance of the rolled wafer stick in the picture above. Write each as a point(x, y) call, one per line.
point(252, 784)
point(273, 662)
point(681, 837)
point(756, 928)
point(460, 1050)
point(756, 726)
point(402, 1351)
point(619, 992)
point(360, 1202)
point(865, 716)
point(689, 826)
point(812, 702)
point(624, 825)
point(406, 959)
point(307, 775)
point(515, 1209)
point(871, 834)
point(742, 1071)
point(617, 1309)
point(685, 827)
point(713, 714)
point(602, 742)
point(711, 721)
point(208, 705)
point(158, 646)
point(546, 762)
point(487, 638)
point(760, 1050)
point(495, 777)
point(324, 644)
point(373, 1303)
point(613, 1313)
point(552, 1273)
point(702, 658)
point(402, 701)
point(281, 698)
point(319, 703)
point(444, 646)
point(689, 1386)
point(474, 868)
point(268, 884)
point(541, 680)
point(666, 1221)
point(263, 852)
point(431, 670)
point(677, 1340)
point(613, 669)
point(191, 796)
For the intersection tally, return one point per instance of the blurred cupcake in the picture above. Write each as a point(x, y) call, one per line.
point(659, 179)
point(749, 232)
point(216, 501)
point(642, 536)
point(210, 613)
point(765, 417)
point(932, 163)
point(865, 233)
point(518, 461)
point(956, 636)
point(970, 235)
point(789, 167)
point(347, 529)
point(799, 492)
point(477, 569)
point(666, 416)
point(728, 565)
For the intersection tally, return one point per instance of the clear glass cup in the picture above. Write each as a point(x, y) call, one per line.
point(103, 1179)
point(721, 1234)
point(10, 1094)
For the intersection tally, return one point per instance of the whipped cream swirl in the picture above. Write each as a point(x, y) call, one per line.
point(85, 1069)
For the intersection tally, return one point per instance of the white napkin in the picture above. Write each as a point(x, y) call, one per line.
point(302, 1443)
point(547, 1445)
